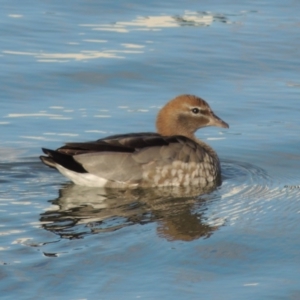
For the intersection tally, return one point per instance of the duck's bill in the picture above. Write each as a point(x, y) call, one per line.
point(216, 121)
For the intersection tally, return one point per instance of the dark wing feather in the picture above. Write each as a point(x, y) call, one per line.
point(65, 160)
point(126, 135)
point(92, 147)
point(126, 143)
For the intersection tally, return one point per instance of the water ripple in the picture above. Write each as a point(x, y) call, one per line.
point(250, 196)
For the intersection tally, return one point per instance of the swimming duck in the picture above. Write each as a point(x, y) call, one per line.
point(171, 157)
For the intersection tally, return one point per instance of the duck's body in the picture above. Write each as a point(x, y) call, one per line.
point(171, 157)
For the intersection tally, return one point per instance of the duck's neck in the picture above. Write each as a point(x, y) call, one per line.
point(173, 128)
point(179, 126)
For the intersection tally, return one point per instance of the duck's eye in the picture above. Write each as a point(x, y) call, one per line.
point(196, 110)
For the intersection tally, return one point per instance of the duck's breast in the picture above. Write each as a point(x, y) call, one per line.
point(179, 163)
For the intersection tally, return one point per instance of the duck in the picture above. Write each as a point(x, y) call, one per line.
point(171, 156)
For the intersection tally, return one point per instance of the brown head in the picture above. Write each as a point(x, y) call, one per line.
point(184, 115)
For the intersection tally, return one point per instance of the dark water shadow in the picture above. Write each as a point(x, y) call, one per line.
point(178, 212)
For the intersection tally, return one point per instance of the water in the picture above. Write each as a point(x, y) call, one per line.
point(81, 72)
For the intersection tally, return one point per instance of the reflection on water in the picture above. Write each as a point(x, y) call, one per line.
point(155, 23)
point(64, 57)
point(140, 23)
point(180, 213)
point(79, 211)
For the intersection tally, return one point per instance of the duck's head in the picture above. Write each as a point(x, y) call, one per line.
point(184, 115)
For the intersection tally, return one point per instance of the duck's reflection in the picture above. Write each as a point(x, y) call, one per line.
point(178, 212)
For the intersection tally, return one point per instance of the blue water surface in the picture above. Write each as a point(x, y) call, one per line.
point(83, 70)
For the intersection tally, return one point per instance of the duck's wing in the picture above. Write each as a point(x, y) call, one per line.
point(125, 143)
point(124, 157)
